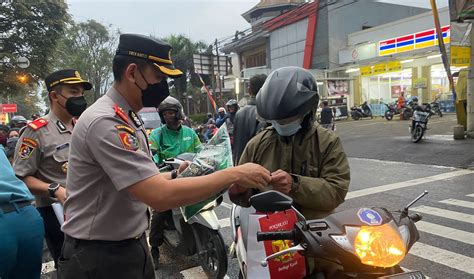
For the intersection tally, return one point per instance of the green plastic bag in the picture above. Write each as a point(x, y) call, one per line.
point(212, 156)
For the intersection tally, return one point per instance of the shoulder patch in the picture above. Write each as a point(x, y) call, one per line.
point(27, 147)
point(119, 112)
point(38, 123)
point(127, 137)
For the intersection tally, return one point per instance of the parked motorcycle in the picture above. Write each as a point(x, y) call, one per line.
point(435, 108)
point(419, 123)
point(361, 112)
point(391, 111)
point(363, 242)
point(200, 233)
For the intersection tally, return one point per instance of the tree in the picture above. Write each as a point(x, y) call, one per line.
point(89, 47)
point(30, 29)
point(182, 55)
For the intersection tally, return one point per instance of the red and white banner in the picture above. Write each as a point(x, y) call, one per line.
point(8, 108)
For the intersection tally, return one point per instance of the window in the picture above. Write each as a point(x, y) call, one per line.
point(256, 60)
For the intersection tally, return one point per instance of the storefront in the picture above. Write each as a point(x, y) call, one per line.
point(402, 56)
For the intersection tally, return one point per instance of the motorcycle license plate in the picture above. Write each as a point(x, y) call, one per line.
point(406, 275)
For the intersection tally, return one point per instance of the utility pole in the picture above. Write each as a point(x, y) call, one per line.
point(213, 84)
point(218, 70)
point(470, 90)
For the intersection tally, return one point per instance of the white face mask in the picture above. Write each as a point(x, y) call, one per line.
point(288, 129)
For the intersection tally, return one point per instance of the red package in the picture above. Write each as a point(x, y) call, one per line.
point(291, 265)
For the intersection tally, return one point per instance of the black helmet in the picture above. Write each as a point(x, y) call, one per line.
point(287, 92)
point(171, 103)
point(414, 99)
point(18, 121)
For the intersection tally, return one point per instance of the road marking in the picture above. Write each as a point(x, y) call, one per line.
point(404, 184)
point(409, 270)
point(224, 204)
point(458, 203)
point(402, 163)
point(470, 195)
point(196, 273)
point(446, 232)
point(458, 216)
point(224, 222)
point(444, 257)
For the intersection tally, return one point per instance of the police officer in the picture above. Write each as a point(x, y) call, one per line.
point(41, 154)
point(113, 178)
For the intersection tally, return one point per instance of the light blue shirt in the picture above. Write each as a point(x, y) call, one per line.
point(12, 189)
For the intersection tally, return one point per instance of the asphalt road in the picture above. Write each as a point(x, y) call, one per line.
point(387, 170)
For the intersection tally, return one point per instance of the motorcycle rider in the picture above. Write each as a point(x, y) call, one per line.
point(169, 141)
point(228, 119)
point(312, 167)
point(401, 103)
point(18, 121)
point(307, 161)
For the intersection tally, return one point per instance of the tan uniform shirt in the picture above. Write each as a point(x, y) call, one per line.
point(109, 152)
point(43, 153)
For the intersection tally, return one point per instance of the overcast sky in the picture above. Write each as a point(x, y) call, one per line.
point(199, 19)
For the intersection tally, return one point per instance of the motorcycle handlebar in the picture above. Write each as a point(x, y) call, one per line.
point(280, 235)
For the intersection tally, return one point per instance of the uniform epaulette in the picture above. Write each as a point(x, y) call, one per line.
point(38, 123)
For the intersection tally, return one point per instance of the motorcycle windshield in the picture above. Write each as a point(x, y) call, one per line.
point(212, 156)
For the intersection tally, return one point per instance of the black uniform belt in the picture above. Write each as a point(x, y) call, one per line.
point(9, 207)
point(103, 242)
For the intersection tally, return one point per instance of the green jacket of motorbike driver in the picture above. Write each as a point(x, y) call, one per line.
point(168, 143)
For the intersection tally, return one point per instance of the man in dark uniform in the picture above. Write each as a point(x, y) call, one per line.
point(113, 179)
point(41, 154)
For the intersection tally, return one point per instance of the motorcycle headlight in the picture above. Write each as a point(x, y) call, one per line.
point(380, 246)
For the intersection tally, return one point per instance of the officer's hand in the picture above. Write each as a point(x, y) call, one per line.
point(60, 194)
point(183, 166)
point(251, 175)
point(281, 181)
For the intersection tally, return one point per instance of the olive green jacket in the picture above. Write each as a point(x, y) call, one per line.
point(315, 160)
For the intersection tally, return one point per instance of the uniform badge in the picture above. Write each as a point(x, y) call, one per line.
point(76, 73)
point(28, 146)
point(135, 118)
point(61, 126)
point(127, 137)
point(119, 112)
point(64, 167)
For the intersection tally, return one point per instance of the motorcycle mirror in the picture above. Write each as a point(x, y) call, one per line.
point(271, 201)
point(405, 210)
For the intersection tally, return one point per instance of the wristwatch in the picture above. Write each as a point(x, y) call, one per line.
point(52, 188)
point(174, 174)
point(295, 182)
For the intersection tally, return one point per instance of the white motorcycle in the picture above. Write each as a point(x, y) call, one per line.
point(197, 227)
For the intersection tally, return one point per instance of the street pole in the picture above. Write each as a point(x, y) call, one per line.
point(470, 90)
point(213, 84)
point(218, 69)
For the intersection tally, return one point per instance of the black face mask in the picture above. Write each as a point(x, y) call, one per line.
point(154, 94)
point(75, 106)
